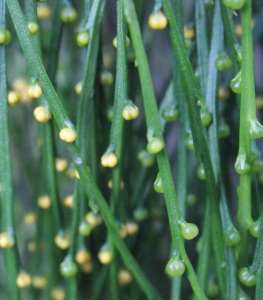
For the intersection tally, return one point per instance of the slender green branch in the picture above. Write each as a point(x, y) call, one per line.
point(6, 193)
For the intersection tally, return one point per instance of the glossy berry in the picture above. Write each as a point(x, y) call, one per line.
point(189, 230)
point(85, 228)
point(254, 228)
point(223, 129)
point(242, 166)
point(44, 201)
point(236, 83)
point(78, 87)
point(5, 36)
point(68, 201)
point(42, 114)
point(201, 172)
point(13, 98)
point(82, 256)
point(58, 294)
point(106, 78)
point(206, 117)
point(175, 267)
point(223, 62)
point(170, 113)
point(232, 237)
point(23, 280)
point(43, 12)
point(146, 158)
point(39, 282)
point(155, 145)
point(190, 199)
point(223, 93)
point(35, 90)
point(131, 228)
point(256, 163)
point(115, 42)
point(61, 164)
point(130, 112)
point(6, 240)
point(68, 14)
point(32, 27)
point(109, 160)
point(158, 186)
point(87, 267)
point(190, 142)
point(242, 295)
point(30, 218)
point(105, 255)
point(187, 43)
point(62, 241)
point(234, 4)
point(189, 32)
point(209, 3)
point(247, 277)
point(68, 135)
point(93, 219)
point(157, 20)
point(140, 214)
point(124, 277)
point(212, 289)
point(68, 268)
point(83, 39)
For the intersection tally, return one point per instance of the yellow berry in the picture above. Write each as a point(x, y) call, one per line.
point(68, 14)
point(43, 12)
point(223, 93)
point(39, 282)
point(77, 174)
point(124, 277)
point(115, 42)
point(189, 32)
point(130, 112)
point(157, 21)
point(105, 256)
point(44, 201)
point(13, 97)
point(22, 86)
point(121, 184)
point(31, 246)
point(68, 135)
point(106, 78)
point(131, 228)
point(58, 294)
point(87, 267)
point(60, 164)
point(78, 87)
point(42, 114)
point(71, 172)
point(32, 27)
point(23, 280)
point(109, 160)
point(93, 219)
point(6, 240)
point(122, 231)
point(35, 90)
point(62, 241)
point(69, 201)
point(82, 256)
point(30, 218)
point(259, 102)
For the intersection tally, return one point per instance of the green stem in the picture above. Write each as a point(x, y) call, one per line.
point(247, 113)
point(6, 194)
